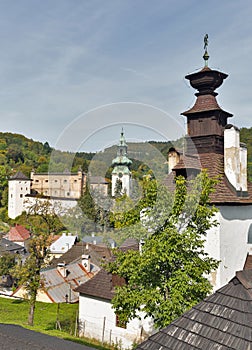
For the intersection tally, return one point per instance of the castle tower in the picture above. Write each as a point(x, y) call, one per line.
point(19, 187)
point(121, 175)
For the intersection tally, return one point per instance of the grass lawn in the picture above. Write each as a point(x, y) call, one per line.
point(15, 311)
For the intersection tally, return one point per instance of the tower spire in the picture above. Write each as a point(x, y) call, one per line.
point(121, 172)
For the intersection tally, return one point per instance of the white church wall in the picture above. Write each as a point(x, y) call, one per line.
point(229, 242)
point(212, 247)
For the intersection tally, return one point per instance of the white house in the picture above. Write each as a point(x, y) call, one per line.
point(98, 319)
point(214, 144)
point(62, 245)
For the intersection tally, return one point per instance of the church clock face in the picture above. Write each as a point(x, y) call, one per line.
point(120, 175)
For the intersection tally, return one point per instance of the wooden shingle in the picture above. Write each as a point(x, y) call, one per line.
point(221, 321)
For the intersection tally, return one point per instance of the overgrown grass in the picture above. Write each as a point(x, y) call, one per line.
point(15, 311)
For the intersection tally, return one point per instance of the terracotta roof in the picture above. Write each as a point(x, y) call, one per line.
point(99, 286)
point(221, 321)
point(13, 337)
point(18, 233)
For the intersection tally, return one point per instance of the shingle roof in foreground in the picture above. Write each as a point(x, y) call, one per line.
point(13, 337)
point(220, 322)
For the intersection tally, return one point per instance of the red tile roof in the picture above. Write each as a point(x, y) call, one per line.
point(18, 233)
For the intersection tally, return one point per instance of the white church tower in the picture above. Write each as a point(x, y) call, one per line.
point(121, 175)
point(19, 187)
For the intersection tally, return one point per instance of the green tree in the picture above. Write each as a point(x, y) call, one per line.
point(168, 276)
point(87, 204)
point(42, 221)
point(118, 188)
point(7, 262)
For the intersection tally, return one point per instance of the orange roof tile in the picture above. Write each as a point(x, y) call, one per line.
point(18, 233)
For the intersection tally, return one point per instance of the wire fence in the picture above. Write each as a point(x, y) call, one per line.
point(105, 331)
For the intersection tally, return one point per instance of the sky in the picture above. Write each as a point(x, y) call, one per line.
point(75, 72)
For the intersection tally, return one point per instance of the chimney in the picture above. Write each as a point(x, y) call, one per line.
point(243, 170)
point(85, 260)
point(61, 267)
point(173, 159)
point(235, 158)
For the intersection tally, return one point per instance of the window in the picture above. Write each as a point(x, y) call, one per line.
point(21, 195)
point(250, 234)
point(46, 180)
point(65, 181)
point(120, 323)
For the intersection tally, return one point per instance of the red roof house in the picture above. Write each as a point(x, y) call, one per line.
point(18, 234)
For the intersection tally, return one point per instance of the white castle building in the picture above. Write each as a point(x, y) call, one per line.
point(63, 190)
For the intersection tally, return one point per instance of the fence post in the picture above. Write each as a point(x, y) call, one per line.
point(103, 329)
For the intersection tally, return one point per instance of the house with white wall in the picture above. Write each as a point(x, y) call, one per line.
point(20, 235)
point(62, 245)
point(98, 319)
